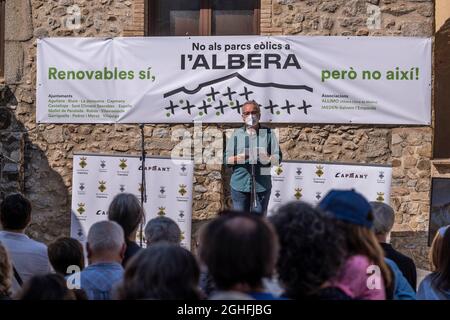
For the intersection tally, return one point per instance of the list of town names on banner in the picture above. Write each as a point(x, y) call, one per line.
point(67, 107)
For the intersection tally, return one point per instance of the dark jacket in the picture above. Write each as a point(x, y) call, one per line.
point(404, 263)
point(132, 249)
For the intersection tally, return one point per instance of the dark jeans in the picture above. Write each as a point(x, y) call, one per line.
point(241, 201)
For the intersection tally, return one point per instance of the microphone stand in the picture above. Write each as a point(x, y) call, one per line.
point(143, 182)
point(253, 195)
point(253, 161)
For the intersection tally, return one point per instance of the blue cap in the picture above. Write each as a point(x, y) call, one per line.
point(349, 206)
point(442, 230)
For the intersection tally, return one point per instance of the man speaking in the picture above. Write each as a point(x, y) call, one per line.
point(251, 151)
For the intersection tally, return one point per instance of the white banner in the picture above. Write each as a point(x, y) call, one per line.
point(98, 178)
point(295, 79)
point(310, 182)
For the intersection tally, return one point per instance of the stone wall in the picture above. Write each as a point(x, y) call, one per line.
point(349, 17)
point(48, 149)
point(12, 145)
point(408, 149)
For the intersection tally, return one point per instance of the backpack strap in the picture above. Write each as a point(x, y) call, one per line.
point(17, 276)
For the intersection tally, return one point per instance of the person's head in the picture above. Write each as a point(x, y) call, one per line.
point(442, 279)
point(436, 248)
point(126, 210)
point(383, 219)
point(239, 250)
point(105, 242)
point(355, 219)
point(46, 287)
point(5, 272)
point(163, 271)
point(348, 206)
point(162, 229)
point(15, 213)
point(205, 231)
point(251, 113)
point(312, 248)
point(64, 253)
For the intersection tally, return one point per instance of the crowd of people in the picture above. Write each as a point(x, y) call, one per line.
point(338, 250)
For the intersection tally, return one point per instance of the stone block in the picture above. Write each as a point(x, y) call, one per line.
point(18, 21)
point(416, 29)
point(14, 61)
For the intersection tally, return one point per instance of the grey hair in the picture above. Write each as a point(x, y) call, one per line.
point(252, 102)
point(383, 217)
point(162, 229)
point(105, 236)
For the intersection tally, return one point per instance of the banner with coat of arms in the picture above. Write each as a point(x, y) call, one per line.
point(310, 181)
point(98, 178)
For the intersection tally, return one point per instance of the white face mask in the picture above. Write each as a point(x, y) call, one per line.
point(251, 120)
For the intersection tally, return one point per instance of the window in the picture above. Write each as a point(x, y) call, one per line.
point(2, 40)
point(202, 17)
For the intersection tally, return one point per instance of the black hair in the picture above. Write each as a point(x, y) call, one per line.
point(46, 287)
point(162, 271)
point(65, 252)
point(15, 212)
point(239, 248)
point(312, 249)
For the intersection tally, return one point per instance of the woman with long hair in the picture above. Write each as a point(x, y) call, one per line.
point(365, 274)
point(436, 245)
point(5, 274)
point(364, 250)
point(126, 210)
point(436, 285)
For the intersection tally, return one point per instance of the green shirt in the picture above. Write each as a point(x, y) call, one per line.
point(240, 142)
